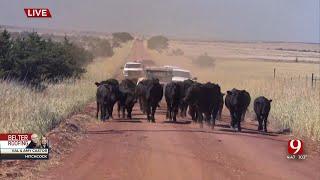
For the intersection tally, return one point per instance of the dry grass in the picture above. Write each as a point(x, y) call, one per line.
point(295, 104)
point(258, 50)
point(23, 110)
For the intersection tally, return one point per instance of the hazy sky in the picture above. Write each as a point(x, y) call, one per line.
point(244, 20)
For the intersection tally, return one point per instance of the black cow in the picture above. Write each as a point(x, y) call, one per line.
point(113, 94)
point(204, 99)
point(247, 104)
point(127, 97)
point(113, 82)
point(172, 95)
point(101, 98)
point(192, 112)
point(237, 101)
point(149, 93)
point(183, 106)
point(262, 107)
point(140, 92)
point(192, 99)
point(193, 92)
point(220, 107)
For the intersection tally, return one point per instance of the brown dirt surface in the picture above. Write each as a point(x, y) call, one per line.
point(135, 149)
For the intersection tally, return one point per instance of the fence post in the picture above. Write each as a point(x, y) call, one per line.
point(312, 80)
point(274, 73)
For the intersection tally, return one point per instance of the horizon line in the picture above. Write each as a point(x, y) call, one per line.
point(171, 37)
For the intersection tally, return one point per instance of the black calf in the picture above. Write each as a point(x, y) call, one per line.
point(262, 107)
point(172, 95)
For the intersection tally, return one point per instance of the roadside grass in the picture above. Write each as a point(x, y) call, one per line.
point(295, 104)
point(24, 110)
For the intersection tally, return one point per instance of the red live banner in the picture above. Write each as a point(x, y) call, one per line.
point(37, 12)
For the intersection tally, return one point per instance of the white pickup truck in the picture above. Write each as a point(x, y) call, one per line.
point(133, 70)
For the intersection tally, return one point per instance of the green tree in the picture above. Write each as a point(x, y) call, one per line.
point(121, 37)
point(158, 43)
point(33, 60)
point(5, 44)
point(5, 51)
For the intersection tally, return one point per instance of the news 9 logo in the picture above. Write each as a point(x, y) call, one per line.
point(295, 147)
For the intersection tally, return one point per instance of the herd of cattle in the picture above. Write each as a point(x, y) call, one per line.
point(204, 101)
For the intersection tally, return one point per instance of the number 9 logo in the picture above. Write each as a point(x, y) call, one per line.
point(295, 146)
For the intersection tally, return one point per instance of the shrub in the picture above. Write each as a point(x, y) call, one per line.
point(121, 37)
point(177, 52)
point(115, 44)
point(31, 59)
point(204, 61)
point(97, 46)
point(101, 48)
point(158, 43)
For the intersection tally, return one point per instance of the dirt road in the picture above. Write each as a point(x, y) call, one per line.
point(136, 149)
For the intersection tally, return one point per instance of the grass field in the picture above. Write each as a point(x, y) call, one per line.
point(255, 50)
point(295, 104)
point(23, 110)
